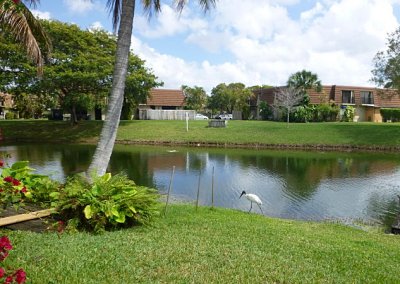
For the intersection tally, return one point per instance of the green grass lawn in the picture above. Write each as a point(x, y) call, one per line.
point(250, 133)
point(211, 246)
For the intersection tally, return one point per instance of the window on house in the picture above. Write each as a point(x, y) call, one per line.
point(367, 98)
point(348, 97)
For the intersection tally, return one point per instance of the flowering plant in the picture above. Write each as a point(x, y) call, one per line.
point(18, 184)
point(13, 186)
point(17, 276)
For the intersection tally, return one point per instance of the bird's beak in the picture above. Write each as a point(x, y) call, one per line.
point(241, 195)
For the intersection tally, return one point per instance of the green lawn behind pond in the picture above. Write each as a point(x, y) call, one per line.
point(240, 133)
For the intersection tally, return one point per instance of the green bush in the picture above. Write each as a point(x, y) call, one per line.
point(265, 111)
point(109, 202)
point(302, 114)
point(326, 112)
point(392, 114)
point(315, 113)
point(10, 115)
point(348, 114)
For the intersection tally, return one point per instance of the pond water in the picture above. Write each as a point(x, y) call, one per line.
point(296, 185)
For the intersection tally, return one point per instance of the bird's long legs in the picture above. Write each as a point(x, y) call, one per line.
point(260, 208)
point(251, 205)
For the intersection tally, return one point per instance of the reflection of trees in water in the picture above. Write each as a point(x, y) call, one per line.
point(134, 164)
point(197, 161)
point(36, 152)
point(302, 174)
point(76, 159)
point(349, 167)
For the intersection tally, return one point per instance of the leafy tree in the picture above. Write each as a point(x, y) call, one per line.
point(234, 96)
point(303, 81)
point(31, 106)
point(287, 98)
point(258, 87)
point(79, 74)
point(123, 13)
point(17, 20)
point(386, 72)
point(139, 81)
point(196, 97)
point(265, 111)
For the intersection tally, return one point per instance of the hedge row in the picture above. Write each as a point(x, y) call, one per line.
point(392, 114)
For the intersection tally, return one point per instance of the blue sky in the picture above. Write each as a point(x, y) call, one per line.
point(252, 41)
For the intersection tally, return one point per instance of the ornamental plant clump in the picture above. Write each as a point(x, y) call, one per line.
point(109, 202)
point(17, 276)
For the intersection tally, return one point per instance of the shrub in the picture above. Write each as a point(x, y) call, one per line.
point(348, 114)
point(109, 202)
point(265, 111)
point(326, 112)
point(392, 114)
point(315, 113)
point(303, 114)
point(9, 115)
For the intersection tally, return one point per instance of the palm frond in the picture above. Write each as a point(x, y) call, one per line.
point(31, 3)
point(115, 9)
point(151, 6)
point(26, 29)
point(206, 5)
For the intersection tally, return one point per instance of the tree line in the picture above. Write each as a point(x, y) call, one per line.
point(77, 77)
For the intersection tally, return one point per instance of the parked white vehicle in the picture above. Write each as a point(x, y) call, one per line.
point(224, 116)
point(200, 116)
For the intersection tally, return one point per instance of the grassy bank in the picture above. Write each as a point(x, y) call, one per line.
point(211, 246)
point(251, 133)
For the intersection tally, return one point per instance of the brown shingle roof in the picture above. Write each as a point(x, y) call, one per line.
point(166, 97)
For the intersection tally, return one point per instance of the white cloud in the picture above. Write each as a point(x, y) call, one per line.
point(96, 26)
point(175, 71)
point(79, 6)
point(41, 15)
point(337, 39)
point(168, 23)
point(311, 14)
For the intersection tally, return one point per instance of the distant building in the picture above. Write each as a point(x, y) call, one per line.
point(169, 104)
point(367, 101)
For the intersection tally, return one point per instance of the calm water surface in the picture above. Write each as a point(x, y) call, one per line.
point(295, 185)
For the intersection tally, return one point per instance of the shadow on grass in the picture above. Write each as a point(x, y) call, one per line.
point(53, 131)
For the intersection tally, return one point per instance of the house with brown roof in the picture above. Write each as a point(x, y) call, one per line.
point(367, 101)
point(165, 99)
point(169, 104)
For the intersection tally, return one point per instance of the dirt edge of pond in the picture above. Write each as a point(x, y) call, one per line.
point(307, 147)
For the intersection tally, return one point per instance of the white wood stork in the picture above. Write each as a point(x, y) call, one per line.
point(252, 198)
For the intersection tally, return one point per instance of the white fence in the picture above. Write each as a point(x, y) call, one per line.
point(153, 114)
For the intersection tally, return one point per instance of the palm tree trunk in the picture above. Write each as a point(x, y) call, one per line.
point(108, 134)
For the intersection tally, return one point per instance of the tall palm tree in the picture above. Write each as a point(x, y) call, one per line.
point(123, 13)
point(17, 19)
point(303, 81)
